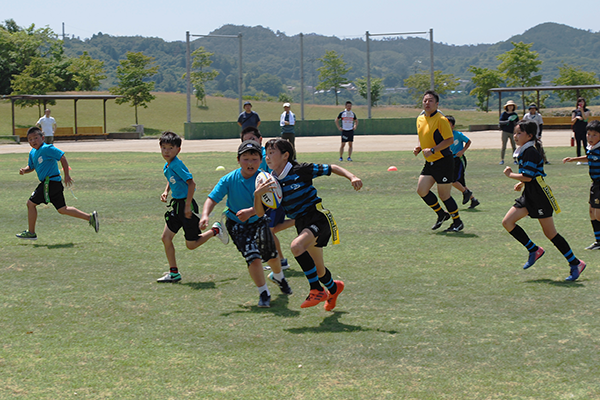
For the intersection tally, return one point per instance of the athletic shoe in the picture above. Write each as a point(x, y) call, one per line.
point(27, 235)
point(170, 277)
point(349, 159)
point(341, 159)
point(474, 203)
point(330, 303)
point(315, 297)
point(501, 162)
point(94, 222)
point(515, 162)
point(222, 235)
point(283, 285)
point(264, 301)
point(444, 217)
point(593, 246)
point(284, 265)
point(467, 196)
point(576, 271)
point(547, 162)
point(455, 227)
point(533, 257)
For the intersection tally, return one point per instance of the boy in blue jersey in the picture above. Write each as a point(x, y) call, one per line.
point(183, 208)
point(43, 160)
point(246, 222)
point(537, 200)
point(277, 215)
point(314, 224)
point(458, 148)
point(593, 159)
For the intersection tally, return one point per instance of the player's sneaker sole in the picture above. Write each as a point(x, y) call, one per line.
point(169, 278)
point(26, 235)
point(593, 246)
point(222, 235)
point(331, 301)
point(94, 221)
point(576, 271)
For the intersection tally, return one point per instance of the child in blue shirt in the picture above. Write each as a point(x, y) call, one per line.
point(537, 200)
point(183, 208)
point(246, 221)
point(593, 159)
point(458, 147)
point(43, 160)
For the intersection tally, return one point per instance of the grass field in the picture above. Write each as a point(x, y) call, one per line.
point(425, 315)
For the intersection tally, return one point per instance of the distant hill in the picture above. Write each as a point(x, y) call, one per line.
point(278, 55)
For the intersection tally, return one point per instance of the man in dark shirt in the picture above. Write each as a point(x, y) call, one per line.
point(248, 117)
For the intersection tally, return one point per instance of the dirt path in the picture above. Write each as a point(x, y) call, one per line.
point(481, 140)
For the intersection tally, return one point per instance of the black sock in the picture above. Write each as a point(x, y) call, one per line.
point(327, 280)
point(562, 246)
point(519, 234)
point(310, 270)
point(431, 200)
point(452, 208)
point(596, 227)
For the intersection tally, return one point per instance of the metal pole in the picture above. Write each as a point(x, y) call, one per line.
point(104, 113)
point(368, 78)
point(188, 80)
point(241, 77)
point(431, 58)
point(75, 113)
point(302, 76)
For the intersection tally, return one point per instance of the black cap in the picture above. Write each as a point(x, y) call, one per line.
point(532, 106)
point(250, 145)
point(246, 103)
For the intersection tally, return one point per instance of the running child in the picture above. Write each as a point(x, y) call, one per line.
point(183, 209)
point(277, 215)
point(593, 160)
point(459, 147)
point(43, 160)
point(537, 201)
point(246, 222)
point(314, 224)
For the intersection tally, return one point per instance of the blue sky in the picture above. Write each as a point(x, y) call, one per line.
point(454, 22)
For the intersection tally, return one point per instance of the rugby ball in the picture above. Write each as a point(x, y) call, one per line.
point(273, 198)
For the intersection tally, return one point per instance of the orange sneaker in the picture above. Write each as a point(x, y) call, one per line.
point(330, 303)
point(315, 297)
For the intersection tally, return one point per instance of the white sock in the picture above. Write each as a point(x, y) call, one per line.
point(279, 276)
point(263, 288)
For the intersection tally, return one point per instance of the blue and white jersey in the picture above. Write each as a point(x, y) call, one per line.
point(177, 174)
point(593, 156)
point(531, 163)
point(44, 161)
point(459, 142)
point(299, 195)
point(239, 192)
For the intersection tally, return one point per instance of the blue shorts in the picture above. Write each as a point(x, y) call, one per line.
point(277, 216)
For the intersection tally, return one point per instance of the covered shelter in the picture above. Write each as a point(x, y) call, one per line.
point(538, 89)
point(45, 98)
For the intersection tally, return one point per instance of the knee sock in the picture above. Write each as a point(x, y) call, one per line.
point(327, 280)
point(310, 270)
point(431, 200)
point(519, 234)
point(562, 246)
point(173, 270)
point(452, 208)
point(596, 227)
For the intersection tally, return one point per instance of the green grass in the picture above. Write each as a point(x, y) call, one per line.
point(425, 315)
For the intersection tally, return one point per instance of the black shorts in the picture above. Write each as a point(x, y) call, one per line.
point(277, 216)
point(595, 194)
point(317, 223)
point(536, 202)
point(55, 192)
point(442, 170)
point(175, 219)
point(347, 136)
point(460, 164)
point(254, 240)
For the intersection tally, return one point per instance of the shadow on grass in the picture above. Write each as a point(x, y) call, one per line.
point(333, 324)
point(56, 246)
point(207, 285)
point(279, 307)
point(566, 284)
point(461, 234)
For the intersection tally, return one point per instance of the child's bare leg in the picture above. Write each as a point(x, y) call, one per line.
point(277, 246)
point(317, 255)
point(167, 239)
point(193, 244)
point(255, 270)
point(73, 212)
point(459, 186)
point(594, 214)
point(512, 217)
point(31, 215)
point(350, 149)
point(548, 227)
point(288, 223)
point(342, 149)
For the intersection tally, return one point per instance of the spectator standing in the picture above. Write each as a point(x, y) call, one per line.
point(48, 125)
point(248, 117)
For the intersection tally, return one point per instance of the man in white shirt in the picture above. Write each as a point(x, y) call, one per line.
point(48, 125)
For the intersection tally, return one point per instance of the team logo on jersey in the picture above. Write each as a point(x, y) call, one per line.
point(295, 186)
point(172, 180)
point(40, 159)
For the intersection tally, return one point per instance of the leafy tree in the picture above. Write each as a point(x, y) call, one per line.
point(268, 83)
point(519, 67)
point(87, 72)
point(331, 73)
point(571, 76)
point(420, 82)
point(36, 78)
point(376, 88)
point(198, 77)
point(484, 79)
point(131, 74)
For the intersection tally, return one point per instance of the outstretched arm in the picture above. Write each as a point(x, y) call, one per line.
point(354, 180)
